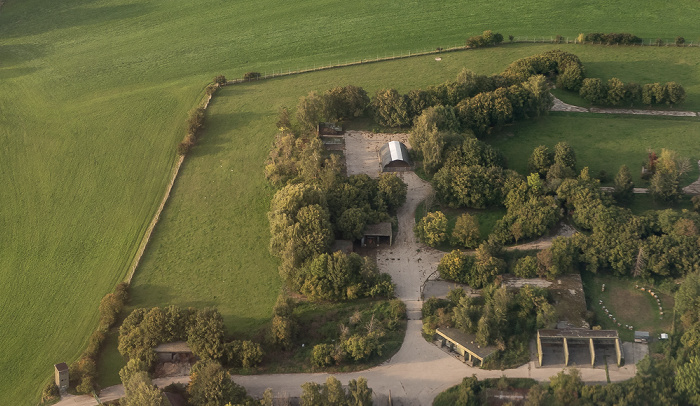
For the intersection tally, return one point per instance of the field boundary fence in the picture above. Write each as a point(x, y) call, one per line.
point(552, 39)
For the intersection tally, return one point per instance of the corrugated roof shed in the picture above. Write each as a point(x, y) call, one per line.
point(394, 152)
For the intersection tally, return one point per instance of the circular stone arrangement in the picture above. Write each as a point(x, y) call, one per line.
point(627, 326)
point(655, 296)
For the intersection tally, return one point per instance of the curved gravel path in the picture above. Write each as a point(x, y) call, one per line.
point(561, 106)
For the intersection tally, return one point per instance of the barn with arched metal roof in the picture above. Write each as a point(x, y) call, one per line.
point(394, 157)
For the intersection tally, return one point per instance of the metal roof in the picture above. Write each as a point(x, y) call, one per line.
point(394, 151)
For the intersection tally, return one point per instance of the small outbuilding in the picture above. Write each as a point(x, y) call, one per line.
point(330, 129)
point(376, 234)
point(464, 344)
point(61, 376)
point(394, 157)
point(173, 352)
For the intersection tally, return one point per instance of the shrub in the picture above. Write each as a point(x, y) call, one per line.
point(195, 121)
point(540, 161)
point(220, 80)
point(397, 309)
point(185, 145)
point(593, 90)
point(322, 355)
point(282, 331)
point(110, 307)
point(432, 229)
point(390, 108)
point(511, 38)
point(696, 203)
point(50, 393)
point(659, 42)
point(252, 76)
point(571, 78)
point(211, 89)
point(246, 354)
point(613, 38)
point(83, 374)
point(487, 38)
point(210, 384)
point(680, 41)
point(466, 231)
point(526, 267)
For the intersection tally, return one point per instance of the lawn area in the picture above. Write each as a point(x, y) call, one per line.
point(94, 98)
point(628, 305)
point(602, 142)
point(644, 202)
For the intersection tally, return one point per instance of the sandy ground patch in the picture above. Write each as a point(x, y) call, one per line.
point(362, 151)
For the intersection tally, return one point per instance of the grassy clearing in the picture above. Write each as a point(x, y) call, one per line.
point(94, 97)
point(601, 141)
point(628, 304)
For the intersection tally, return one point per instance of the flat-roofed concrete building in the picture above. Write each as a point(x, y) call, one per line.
point(376, 234)
point(465, 345)
point(173, 352)
point(579, 339)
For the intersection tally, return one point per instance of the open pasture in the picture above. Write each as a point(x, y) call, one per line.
point(94, 94)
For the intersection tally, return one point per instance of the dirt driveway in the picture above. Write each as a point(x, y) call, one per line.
point(362, 151)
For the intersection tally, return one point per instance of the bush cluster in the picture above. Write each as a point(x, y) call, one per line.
point(332, 393)
point(339, 276)
point(203, 330)
point(195, 121)
point(252, 76)
point(658, 243)
point(613, 38)
point(616, 93)
point(358, 338)
point(336, 104)
point(392, 109)
point(488, 38)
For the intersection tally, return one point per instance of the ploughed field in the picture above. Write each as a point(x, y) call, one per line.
point(93, 99)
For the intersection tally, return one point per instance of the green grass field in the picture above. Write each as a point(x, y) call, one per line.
point(94, 96)
point(603, 142)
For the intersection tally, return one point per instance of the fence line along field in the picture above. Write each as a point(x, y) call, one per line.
point(93, 99)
